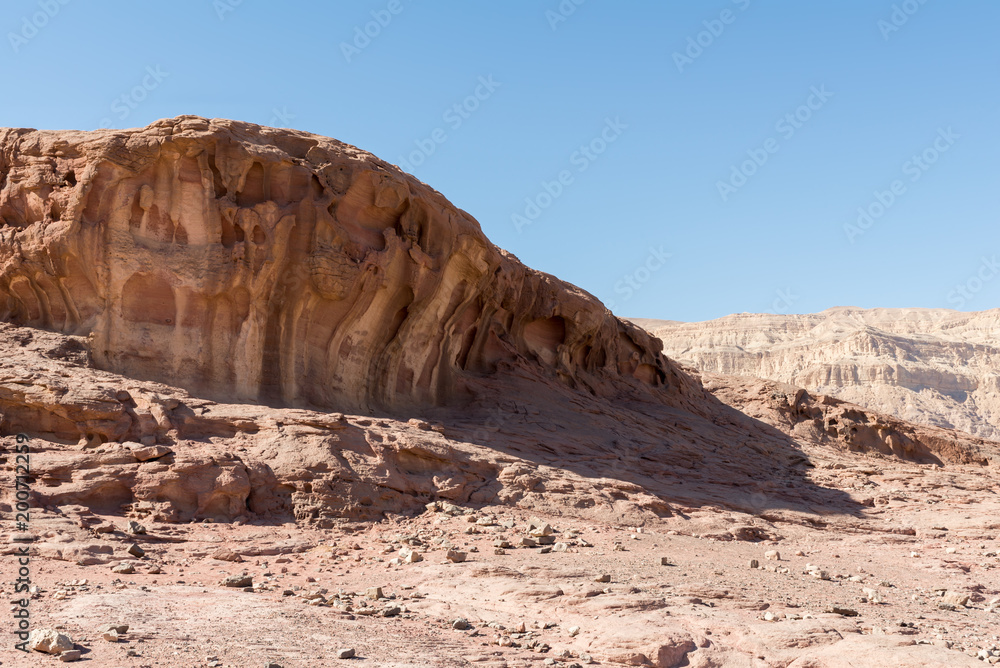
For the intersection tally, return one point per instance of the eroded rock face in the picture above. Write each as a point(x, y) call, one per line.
point(274, 266)
point(931, 366)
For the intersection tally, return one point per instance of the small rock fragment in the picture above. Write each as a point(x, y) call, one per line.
point(456, 557)
point(243, 580)
point(346, 653)
point(136, 551)
point(225, 554)
point(49, 641)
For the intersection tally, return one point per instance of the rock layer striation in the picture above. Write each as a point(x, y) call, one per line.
point(254, 264)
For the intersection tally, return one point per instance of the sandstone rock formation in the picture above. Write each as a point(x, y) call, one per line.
point(190, 302)
point(935, 367)
point(273, 266)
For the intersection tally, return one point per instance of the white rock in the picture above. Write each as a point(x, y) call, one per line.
point(49, 641)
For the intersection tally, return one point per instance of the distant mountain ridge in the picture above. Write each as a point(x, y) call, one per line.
point(931, 366)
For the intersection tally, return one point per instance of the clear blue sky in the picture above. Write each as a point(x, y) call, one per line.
point(673, 127)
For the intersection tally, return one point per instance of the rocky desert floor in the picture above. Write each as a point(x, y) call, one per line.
point(912, 581)
point(288, 406)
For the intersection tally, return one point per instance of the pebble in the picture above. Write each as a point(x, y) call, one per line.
point(456, 557)
point(71, 655)
point(136, 551)
point(460, 624)
point(345, 653)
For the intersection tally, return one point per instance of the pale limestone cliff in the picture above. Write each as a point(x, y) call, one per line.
point(936, 367)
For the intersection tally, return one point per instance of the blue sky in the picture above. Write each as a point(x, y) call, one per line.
point(678, 160)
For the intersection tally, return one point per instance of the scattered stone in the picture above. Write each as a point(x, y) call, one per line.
point(527, 542)
point(346, 653)
point(456, 557)
point(772, 555)
point(124, 568)
point(49, 641)
point(460, 624)
point(243, 580)
point(560, 547)
point(409, 555)
point(957, 599)
point(606, 577)
point(754, 563)
point(664, 561)
point(574, 631)
point(537, 527)
point(374, 593)
point(135, 528)
point(136, 551)
point(110, 635)
point(225, 554)
point(872, 595)
point(120, 629)
point(71, 655)
point(844, 612)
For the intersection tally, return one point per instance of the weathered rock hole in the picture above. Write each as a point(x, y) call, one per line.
point(150, 299)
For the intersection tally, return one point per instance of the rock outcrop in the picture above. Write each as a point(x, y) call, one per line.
point(934, 367)
point(272, 266)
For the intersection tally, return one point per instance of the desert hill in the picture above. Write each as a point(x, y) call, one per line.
point(929, 366)
point(282, 399)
